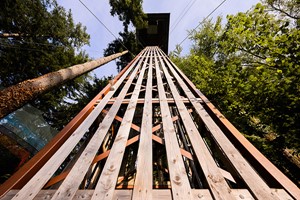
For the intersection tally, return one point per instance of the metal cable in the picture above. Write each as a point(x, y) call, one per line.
point(203, 21)
point(106, 27)
point(181, 16)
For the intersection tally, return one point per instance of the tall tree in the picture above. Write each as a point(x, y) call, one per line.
point(48, 40)
point(127, 41)
point(129, 12)
point(43, 39)
point(249, 68)
point(15, 96)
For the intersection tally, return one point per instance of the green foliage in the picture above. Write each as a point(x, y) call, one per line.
point(74, 102)
point(48, 40)
point(286, 8)
point(129, 40)
point(249, 68)
point(129, 11)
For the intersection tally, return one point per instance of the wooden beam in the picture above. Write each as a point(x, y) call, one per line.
point(213, 175)
point(157, 127)
point(133, 126)
point(130, 93)
point(154, 101)
point(181, 188)
point(107, 182)
point(162, 194)
point(144, 170)
point(57, 179)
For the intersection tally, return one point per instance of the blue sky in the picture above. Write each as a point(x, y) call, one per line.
point(100, 37)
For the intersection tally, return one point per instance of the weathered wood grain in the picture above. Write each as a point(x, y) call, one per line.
point(213, 175)
point(144, 175)
point(107, 182)
point(161, 194)
point(181, 188)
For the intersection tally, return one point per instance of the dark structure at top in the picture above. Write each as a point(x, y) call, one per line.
point(157, 31)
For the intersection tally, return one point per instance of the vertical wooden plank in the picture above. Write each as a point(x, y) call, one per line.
point(105, 187)
point(70, 185)
point(31, 189)
point(213, 175)
point(181, 188)
point(144, 172)
point(256, 185)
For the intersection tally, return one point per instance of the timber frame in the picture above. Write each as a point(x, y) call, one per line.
point(149, 134)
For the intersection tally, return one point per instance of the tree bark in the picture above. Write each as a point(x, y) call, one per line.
point(6, 35)
point(19, 35)
point(16, 96)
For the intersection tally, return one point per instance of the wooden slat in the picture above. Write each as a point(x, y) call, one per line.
point(40, 179)
point(63, 175)
point(213, 175)
point(154, 101)
point(70, 185)
point(133, 126)
point(157, 127)
point(105, 154)
point(144, 175)
point(57, 178)
point(106, 185)
point(137, 128)
point(181, 188)
point(161, 194)
point(227, 175)
point(154, 137)
point(130, 93)
point(257, 186)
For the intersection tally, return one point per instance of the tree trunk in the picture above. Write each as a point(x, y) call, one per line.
point(6, 35)
point(19, 35)
point(16, 96)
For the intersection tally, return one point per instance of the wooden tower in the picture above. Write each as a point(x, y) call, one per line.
point(150, 134)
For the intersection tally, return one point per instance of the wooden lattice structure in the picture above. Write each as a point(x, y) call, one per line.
point(150, 134)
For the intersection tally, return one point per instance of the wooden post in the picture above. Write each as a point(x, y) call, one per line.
point(16, 96)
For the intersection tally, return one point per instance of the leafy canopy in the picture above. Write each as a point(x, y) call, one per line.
point(249, 68)
point(46, 40)
point(129, 12)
